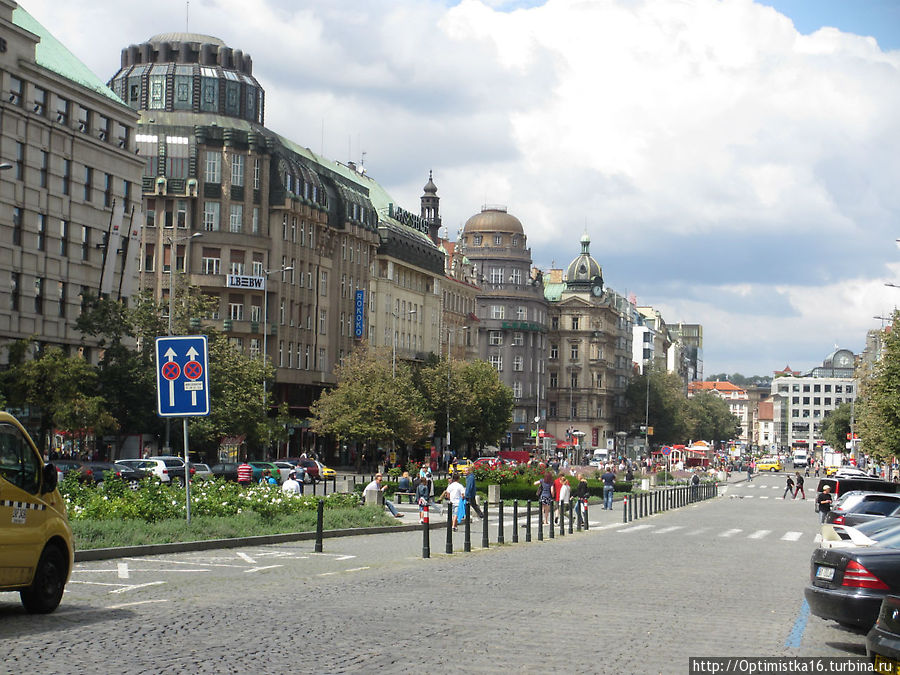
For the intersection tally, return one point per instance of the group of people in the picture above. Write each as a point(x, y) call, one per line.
point(793, 487)
point(558, 490)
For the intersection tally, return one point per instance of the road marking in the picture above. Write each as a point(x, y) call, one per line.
point(791, 536)
point(795, 637)
point(636, 528)
point(246, 558)
point(729, 533)
point(326, 574)
point(357, 569)
point(818, 538)
point(132, 604)
point(694, 533)
point(266, 567)
point(606, 527)
point(131, 588)
point(764, 496)
point(122, 569)
point(182, 562)
point(92, 583)
point(672, 528)
point(748, 496)
point(759, 534)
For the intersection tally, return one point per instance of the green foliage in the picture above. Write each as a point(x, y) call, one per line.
point(709, 416)
point(370, 403)
point(836, 425)
point(878, 407)
point(667, 410)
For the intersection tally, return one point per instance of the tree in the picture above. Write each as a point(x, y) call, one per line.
point(836, 426)
point(368, 404)
point(709, 417)
point(667, 406)
point(878, 406)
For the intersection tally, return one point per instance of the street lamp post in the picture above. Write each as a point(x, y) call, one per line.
point(173, 256)
point(450, 332)
point(265, 317)
point(394, 343)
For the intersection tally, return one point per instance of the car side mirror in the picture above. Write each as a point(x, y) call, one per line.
point(50, 479)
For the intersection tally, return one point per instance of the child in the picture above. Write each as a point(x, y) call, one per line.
point(422, 495)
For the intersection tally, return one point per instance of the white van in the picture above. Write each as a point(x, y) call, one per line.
point(600, 457)
point(800, 460)
point(36, 549)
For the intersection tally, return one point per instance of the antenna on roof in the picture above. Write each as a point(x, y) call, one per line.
point(187, 16)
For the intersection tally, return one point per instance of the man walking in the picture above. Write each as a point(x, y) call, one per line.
point(609, 486)
point(823, 502)
point(470, 491)
point(245, 474)
point(789, 489)
point(799, 487)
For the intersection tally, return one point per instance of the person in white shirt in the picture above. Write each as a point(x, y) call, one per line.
point(291, 484)
point(454, 492)
point(376, 486)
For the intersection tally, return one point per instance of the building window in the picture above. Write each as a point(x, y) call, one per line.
point(554, 351)
point(107, 190)
point(554, 323)
point(554, 380)
point(14, 282)
point(497, 362)
point(236, 311)
point(38, 296)
point(498, 240)
point(256, 173)
point(41, 241)
point(15, 90)
point(517, 390)
point(63, 238)
point(518, 339)
point(42, 181)
point(61, 287)
point(88, 183)
point(573, 351)
point(254, 226)
point(476, 240)
point(237, 170)
point(211, 216)
point(575, 323)
point(158, 90)
point(323, 283)
point(496, 275)
point(516, 276)
point(495, 337)
point(213, 166)
point(236, 223)
point(323, 316)
point(211, 262)
point(518, 363)
point(85, 242)
point(498, 311)
point(149, 258)
point(17, 226)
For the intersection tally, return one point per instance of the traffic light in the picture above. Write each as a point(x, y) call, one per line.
point(649, 431)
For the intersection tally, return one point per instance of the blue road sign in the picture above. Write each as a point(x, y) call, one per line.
point(182, 376)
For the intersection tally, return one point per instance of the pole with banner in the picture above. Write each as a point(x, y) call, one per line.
point(182, 387)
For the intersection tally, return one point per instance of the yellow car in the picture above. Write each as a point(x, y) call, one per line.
point(325, 473)
point(769, 465)
point(461, 466)
point(36, 549)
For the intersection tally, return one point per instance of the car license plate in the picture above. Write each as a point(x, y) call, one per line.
point(887, 666)
point(824, 573)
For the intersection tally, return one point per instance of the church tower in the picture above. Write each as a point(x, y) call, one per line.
point(431, 209)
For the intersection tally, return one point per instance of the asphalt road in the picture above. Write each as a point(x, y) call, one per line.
point(720, 578)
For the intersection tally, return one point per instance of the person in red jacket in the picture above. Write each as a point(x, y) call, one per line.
point(245, 474)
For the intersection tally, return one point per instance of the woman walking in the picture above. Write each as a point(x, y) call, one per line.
point(545, 493)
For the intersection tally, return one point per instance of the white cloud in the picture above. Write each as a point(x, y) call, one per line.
point(705, 144)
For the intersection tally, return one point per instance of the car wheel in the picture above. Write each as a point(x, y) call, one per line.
point(179, 481)
point(134, 484)
point(772, 470)
point(45, 592)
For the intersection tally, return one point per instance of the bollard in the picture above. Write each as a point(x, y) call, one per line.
point(630, 508)
point(314, 487)
point(528, 522)
point(551, 524)
point(515, 530)
point(320, 519)
point(585, 514)
point(562, 519)
point(571, 514)
point(449, 548)
point(426, 543)
point(643, 501)
point(540, 522)
point(500, 524)
point(484, 528)
point(580, 507)
point(625, 509)
point(467, 541)
point(334, 484)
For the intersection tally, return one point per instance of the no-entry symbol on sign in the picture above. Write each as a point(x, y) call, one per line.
point(182, 376)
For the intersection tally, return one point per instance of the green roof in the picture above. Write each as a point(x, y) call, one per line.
point(52, 55)
point(553, 292)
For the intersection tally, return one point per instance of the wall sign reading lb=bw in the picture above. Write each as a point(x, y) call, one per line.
point(182, 376)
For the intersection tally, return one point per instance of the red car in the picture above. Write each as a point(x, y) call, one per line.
point(487, 463)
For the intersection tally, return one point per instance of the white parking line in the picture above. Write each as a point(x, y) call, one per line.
point(636, 528)
point(672, 528)
point(759, 534)
point(258, 569)
point(792, 536)
point(694, 533)
point(131, 588)
point(132, 604)
point(246, 558)
point(729, 533)
point(122, 569)
point(764, 496)
point(357, 569)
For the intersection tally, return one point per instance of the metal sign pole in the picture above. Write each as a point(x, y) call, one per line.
point(187, 471)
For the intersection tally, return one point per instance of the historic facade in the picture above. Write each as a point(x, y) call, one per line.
point(589, 356)
point(511, 311)
point(69, 187)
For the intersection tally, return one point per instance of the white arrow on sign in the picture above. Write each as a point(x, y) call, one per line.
point(170, 355)
point(192, 356)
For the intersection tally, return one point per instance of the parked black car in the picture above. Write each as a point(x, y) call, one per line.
point(841, 485)
point(883, 641)
point(847, 585)
point(97, 472)
point(64, 466)
point(226, 470)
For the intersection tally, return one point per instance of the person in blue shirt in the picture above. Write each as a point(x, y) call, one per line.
point(609, 487)
point(470, 491)
point(267, 479)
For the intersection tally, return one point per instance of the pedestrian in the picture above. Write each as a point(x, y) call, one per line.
point(789, 488)
point(695, 486)
point(405, 485)
point(823, 502)
point(291, 485)
point(750, 472)
point(422, 496)
point(245, 474)
point(267, 478)
point(582, 494)
point(470, 491)
point(376, 486)
point(564, 493)
point(545, 495)
point(799, 487)
point(455, 492)
point(609, 487)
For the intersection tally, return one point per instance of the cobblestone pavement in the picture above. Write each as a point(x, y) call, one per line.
point(720, 578)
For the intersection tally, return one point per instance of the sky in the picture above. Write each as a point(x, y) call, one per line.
point(736, 163)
